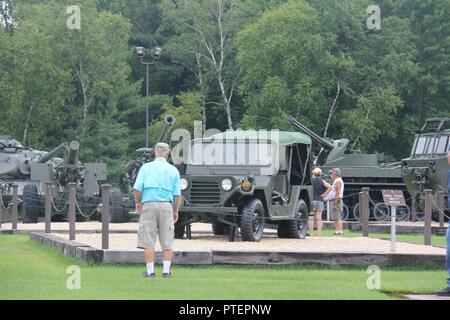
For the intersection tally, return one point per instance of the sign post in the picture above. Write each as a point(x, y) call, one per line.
point(393, 199)
point(393, 227)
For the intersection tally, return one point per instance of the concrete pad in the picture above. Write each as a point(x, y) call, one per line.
point(426, 297)
point(299, 258)
point(401, 228)
point(137, 256)
point(407, 260)
point(89, 254)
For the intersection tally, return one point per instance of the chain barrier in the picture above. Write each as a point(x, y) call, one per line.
point(436, 206)
point(55, 208)
point(87, 216)
point(2, 204)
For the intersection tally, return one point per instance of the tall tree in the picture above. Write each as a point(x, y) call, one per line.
point(286, 67)
point(207, 28)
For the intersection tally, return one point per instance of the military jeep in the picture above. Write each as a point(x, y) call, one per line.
point(248, 180)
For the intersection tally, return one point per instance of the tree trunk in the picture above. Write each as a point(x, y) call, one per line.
point(333, 108)
point(203, 89)
point(27, 124)
point(226, 102)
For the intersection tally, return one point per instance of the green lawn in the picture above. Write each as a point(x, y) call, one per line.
point(411, 238)
point(29, 270)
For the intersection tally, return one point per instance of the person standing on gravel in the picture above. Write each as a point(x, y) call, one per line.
point(320, 186)
point(158, 199)
point(335, 196)
point(446, 291)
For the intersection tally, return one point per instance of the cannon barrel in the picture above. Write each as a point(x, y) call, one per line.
point(72, 153)
point(321, 141)
point(49, 155)
point(169, 122)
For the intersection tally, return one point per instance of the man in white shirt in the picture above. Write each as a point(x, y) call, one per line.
point(335, 196)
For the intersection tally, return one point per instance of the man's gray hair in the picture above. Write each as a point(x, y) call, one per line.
point(162, 147)
point(337, 172)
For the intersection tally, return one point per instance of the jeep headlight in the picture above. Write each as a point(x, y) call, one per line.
point(184, 184)
point(227, 184)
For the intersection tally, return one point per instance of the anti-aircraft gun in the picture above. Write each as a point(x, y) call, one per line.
point(146, 155)
point(358, 170)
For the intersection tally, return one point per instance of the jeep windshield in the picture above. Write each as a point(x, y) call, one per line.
point(232, 157)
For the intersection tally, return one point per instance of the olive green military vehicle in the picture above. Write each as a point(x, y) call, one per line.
point(30, 169)
point(427, 166)
point(358, 170)
point(248, 180)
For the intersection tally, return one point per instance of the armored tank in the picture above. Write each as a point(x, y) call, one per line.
point(427, 166)
point(146, 155)
point(359, 170)
point(30, 169)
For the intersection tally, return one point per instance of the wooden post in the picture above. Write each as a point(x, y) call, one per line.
point(1, 206)
point(15, 207)
point(413, 210)
point(427, 224)
point(48, 207)
point(441, 198)
point(106, 197)
point(365, 211)
point(360, 201)
point(72, 208)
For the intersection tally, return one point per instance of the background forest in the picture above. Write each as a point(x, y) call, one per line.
point(228, 63)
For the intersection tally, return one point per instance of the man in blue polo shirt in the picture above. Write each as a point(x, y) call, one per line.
point(158, 198)
point(446, 291)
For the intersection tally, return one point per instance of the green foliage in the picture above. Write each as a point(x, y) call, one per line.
point(313, 59)
point(374, 117)
point(187, 109)
point(283, 57)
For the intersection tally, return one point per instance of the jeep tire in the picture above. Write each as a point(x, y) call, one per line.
point(295, 229)
point(252, 220)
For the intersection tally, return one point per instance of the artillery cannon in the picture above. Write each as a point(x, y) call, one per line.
point(30, 170)
point(146, 155)
point(359, 170)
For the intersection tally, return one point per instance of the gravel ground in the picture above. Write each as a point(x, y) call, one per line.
point(202, 241)
point(268, 243)
point(97, 226)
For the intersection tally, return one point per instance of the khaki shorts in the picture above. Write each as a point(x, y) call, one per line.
point(318, 206)
point(156, 219)
point(336, 214)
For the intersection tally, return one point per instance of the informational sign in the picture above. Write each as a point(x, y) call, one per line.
point(393, 198)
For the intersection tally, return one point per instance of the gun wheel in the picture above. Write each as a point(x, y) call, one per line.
point(117, 211)
point(30, 206)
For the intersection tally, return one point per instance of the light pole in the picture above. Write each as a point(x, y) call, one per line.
point(141, 55)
